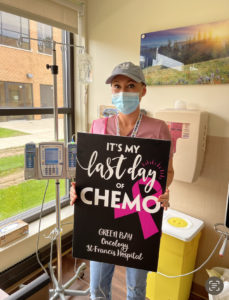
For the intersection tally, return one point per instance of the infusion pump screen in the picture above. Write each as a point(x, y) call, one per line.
point(51, 160)
point(51, 156)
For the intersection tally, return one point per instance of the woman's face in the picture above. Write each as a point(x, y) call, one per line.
point(123, 83)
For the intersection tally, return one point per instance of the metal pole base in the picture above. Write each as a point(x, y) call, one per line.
point(60, 291)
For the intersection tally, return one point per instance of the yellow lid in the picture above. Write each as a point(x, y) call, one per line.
point(177, 222)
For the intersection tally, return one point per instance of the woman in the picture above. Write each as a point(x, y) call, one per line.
point(128, 87)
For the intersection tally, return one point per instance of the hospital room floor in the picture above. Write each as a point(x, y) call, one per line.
point(118, 283)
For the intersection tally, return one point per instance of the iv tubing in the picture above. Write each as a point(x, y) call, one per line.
point(209, 257)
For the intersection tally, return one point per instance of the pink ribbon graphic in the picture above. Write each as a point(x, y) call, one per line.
point(148, 225)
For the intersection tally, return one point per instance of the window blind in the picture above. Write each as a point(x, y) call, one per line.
point(58, 13)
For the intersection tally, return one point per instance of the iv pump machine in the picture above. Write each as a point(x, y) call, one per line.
point(50, 160)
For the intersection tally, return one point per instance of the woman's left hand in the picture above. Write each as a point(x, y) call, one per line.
point(164, 199)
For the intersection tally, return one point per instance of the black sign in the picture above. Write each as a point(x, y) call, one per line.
point(117, 216)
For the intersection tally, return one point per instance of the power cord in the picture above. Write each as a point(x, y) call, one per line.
point(39, 230)
point(52, 236)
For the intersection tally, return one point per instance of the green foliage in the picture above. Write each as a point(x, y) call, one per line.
point(209, 72)
point(24, 196)
point(4, 133)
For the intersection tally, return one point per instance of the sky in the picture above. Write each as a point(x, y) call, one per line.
point(158, 38)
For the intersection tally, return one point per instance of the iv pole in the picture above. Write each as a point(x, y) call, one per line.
point(59, 289)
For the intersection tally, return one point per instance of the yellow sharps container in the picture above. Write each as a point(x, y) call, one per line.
point(177, 255)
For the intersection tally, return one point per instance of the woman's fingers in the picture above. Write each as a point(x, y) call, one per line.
point(164, 199)
point(73, 195)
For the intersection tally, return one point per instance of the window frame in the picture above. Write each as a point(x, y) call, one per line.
point(19, 45)
point(69, 120)
point(43, 37)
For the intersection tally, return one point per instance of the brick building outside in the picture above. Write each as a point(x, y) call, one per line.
point(24, 79)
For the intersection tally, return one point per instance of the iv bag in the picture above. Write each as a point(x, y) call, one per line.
point(85, 68)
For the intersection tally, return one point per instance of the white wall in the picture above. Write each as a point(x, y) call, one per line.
point(114, 29)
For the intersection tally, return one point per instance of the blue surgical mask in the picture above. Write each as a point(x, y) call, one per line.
point(125, 102)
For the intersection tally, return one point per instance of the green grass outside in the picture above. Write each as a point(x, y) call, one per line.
point(11, 164)
point(19, 198)
point(4, 133)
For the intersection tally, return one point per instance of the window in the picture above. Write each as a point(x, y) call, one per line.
point(46, 92)
point(14, 31)
point(26, 113)
point(14, 94)
point(44, 33)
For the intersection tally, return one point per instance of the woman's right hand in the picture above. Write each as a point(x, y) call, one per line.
point(73, 195)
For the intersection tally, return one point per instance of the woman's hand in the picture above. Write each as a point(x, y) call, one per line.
point(73, 195)
point(164, 199)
